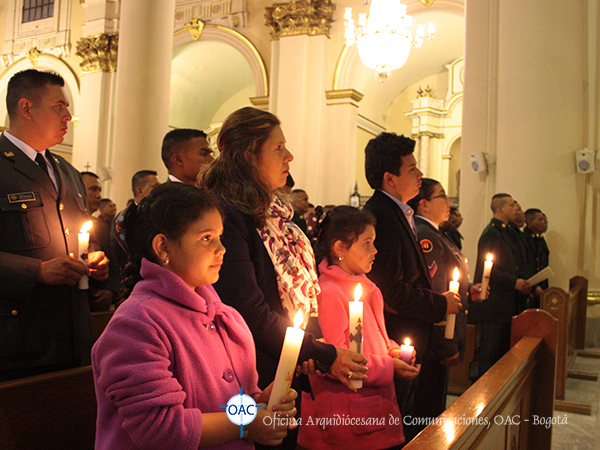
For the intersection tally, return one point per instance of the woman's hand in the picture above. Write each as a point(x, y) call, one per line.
point(348, 366)
point(286, 403)
point(306, 368)
point(405, 371)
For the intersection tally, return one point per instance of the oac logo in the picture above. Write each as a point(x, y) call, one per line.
point(241, 410)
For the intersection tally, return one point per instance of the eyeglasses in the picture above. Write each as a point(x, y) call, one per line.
point(444, 196)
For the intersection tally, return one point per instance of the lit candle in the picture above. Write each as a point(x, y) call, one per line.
point(287, 361)
point(485, 280)
point(406, 351)
point(451, 319)
point(82, 250)
point(355, 327)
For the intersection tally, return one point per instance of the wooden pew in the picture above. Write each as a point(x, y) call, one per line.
point(459, 380)
point(499, 411)
point(50, 411)
point(569, 308)
point(99, 321)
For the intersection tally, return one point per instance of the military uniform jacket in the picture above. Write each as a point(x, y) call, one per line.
point(501, 303)
point(538, 252)
point(39, 324)
point(400, 272)
point(442, 257)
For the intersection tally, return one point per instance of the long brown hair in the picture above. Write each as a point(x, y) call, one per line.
point(232, 176)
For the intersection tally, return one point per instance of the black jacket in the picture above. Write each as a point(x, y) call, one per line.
point(400, 271)
point(39, 324)
point(248, 282)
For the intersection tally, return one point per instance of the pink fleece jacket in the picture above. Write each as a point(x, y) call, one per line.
point(168, 355)
point(339, 418)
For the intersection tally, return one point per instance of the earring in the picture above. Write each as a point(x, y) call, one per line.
point(167, 260)
point(340, 258)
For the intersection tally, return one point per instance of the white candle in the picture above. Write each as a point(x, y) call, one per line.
point(82, 250)
point(287, 361)
point(406, 351)
point(451, 319)
point(355, 328)
point(485, 280)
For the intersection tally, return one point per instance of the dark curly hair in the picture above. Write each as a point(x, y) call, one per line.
point(169, 209)
point(384, 154)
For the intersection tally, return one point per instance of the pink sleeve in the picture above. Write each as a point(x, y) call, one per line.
point(333, 320)
point(137, 380)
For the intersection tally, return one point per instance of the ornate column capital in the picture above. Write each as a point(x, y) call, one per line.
point(297, 17)
point(99, 52)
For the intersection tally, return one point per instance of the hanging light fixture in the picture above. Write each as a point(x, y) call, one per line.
point(384, 39)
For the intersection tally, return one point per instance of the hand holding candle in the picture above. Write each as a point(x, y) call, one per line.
point(82, 251)
point(287, 361)
point(355, 326)
point(485, 280)
point(406, 351)
point(451, 318)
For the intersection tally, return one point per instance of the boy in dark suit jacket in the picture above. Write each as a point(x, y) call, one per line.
point(399, 270)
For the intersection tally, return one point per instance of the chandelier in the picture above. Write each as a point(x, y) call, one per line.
point(385, 38)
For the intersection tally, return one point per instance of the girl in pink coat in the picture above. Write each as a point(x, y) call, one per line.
point(173, 354)
point(369, 418)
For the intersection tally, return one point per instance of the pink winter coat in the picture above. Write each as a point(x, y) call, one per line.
point(339, 418)
point(168, 355)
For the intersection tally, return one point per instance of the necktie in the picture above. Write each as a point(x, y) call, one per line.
point(39, 158)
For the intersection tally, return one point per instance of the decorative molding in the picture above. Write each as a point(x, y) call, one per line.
point(195, 28)
point(261, 103)
point(427, 134)
point(33, 54)
point(299, 17)
point(229, 13)
point(351, 94)
point(99, 53)
point(369, 126)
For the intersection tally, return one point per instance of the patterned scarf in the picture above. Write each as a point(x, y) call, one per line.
point(293, 259)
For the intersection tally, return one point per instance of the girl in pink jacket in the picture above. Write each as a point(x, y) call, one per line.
point(368, 419)
point(173, 354)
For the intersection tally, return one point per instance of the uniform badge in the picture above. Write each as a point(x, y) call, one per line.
point(432, 269)
point(426, 245)
point(21, 197)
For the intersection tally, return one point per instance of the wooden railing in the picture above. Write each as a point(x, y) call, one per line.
point(569, 308)
point(509, 406)
point(51, 411)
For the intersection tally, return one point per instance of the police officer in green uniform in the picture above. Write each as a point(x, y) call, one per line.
point(44, 317)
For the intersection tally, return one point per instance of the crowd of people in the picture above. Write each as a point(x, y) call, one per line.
point(207, 270)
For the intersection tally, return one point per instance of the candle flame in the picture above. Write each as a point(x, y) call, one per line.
point(298, 319)
point(407, 341)
point(489, 257)
point(86, 227)
point(456, 274)
point(357, 292)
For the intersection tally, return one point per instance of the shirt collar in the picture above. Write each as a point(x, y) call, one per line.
point(174, 179)
point(407, 210)
point(25, 148)
point(433, 224)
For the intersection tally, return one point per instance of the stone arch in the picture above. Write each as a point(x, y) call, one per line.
point(240, 43)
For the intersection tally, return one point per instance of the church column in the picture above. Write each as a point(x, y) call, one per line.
point(526, 106)
point(339, 177)
point(98, 51)
point(299, 53)
point(142, 91)
point(424, 157)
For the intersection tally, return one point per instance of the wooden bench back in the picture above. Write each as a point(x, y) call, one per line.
point(50, 411)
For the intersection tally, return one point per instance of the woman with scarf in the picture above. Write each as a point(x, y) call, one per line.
point(268, 272)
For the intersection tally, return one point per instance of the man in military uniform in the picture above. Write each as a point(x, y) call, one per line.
point(539, 254)
point(44, 317)
point(496, 311)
